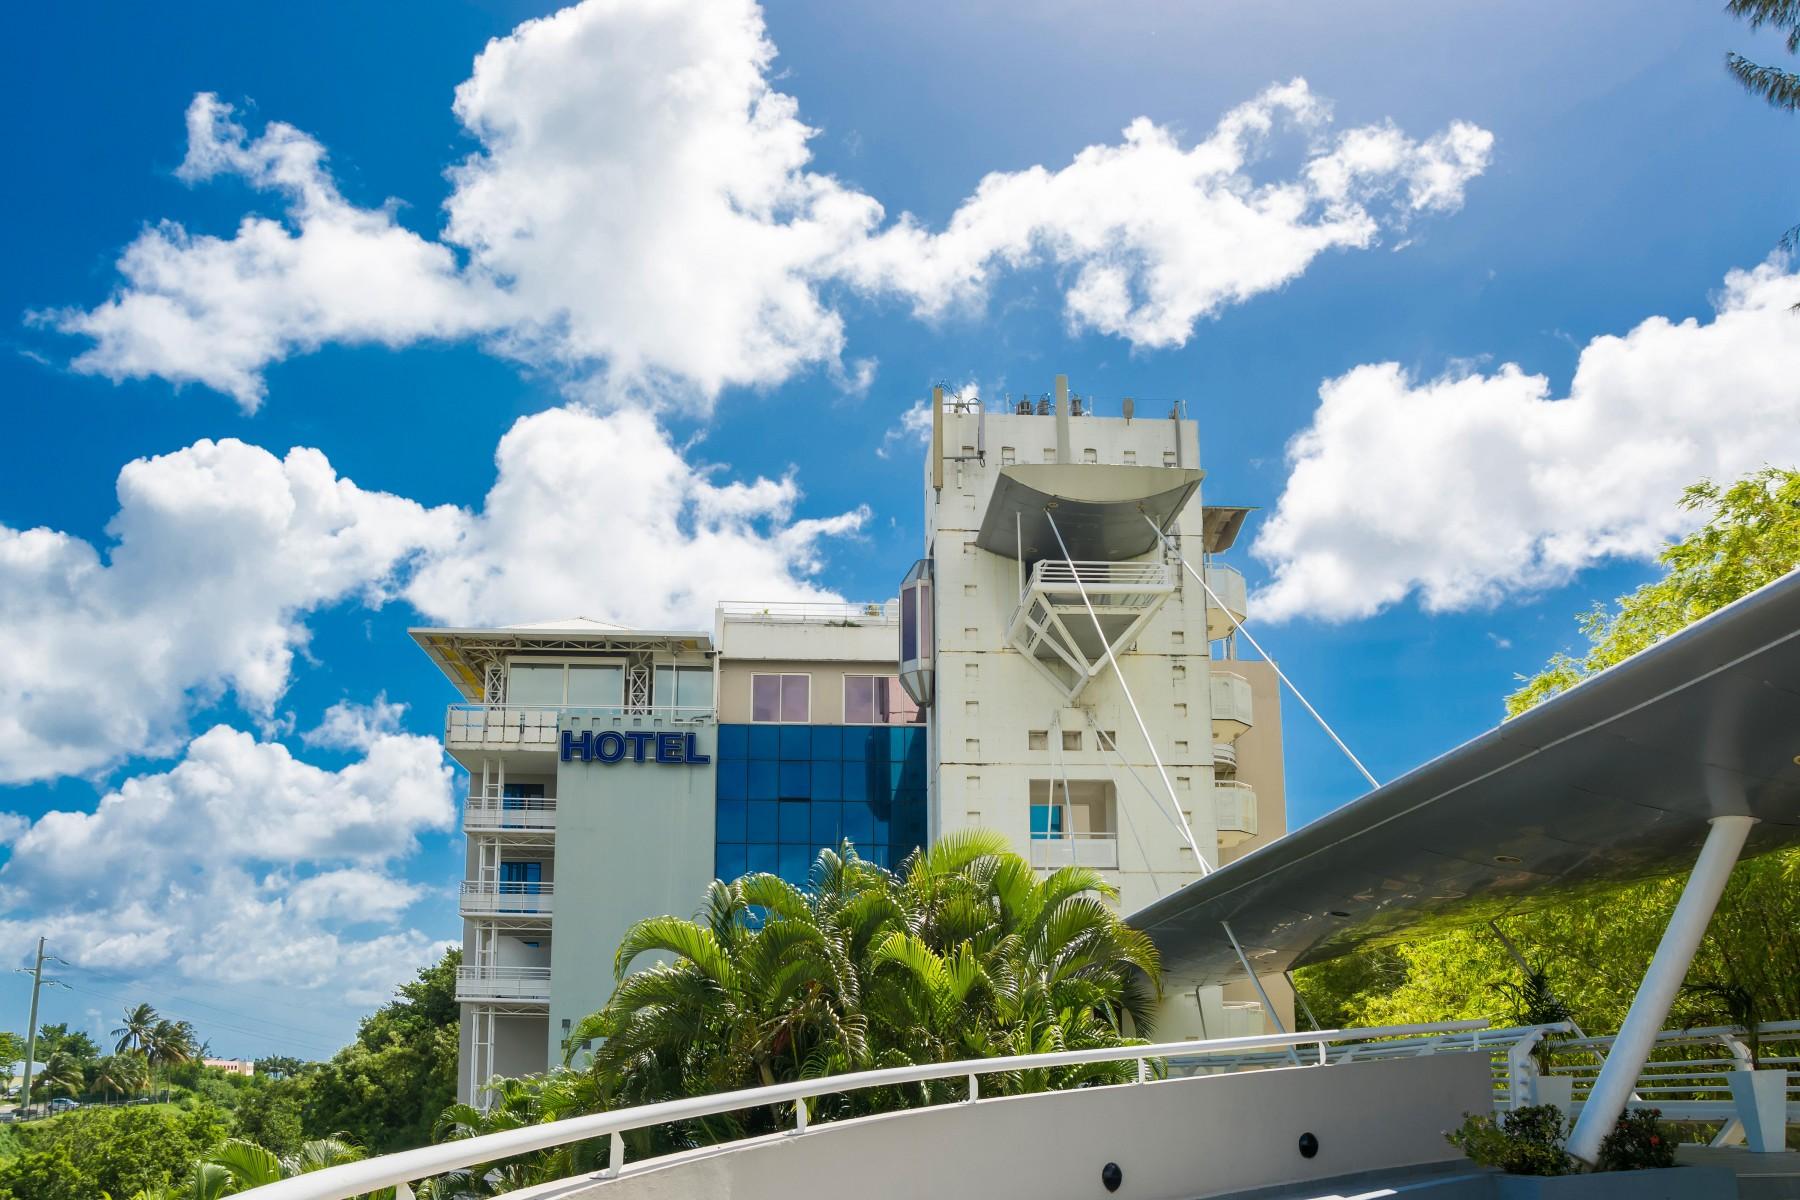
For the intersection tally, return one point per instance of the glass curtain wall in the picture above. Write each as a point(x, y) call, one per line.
point(785, 792)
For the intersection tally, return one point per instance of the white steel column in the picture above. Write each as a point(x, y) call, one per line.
point(1668, 967)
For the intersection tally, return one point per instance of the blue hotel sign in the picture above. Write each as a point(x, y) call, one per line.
point(611, 746)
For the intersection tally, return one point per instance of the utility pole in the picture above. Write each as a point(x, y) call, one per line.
point(31, 1029)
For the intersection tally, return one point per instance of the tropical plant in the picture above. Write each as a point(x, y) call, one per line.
point(137, 1029)
point(1525, 1141)
point(1780, 88)
point(1638, 1141)
point(76, 1044)
point(962, 952)
point(60, 1075)
point(238, 1165)
point(121, 1074)
point(171, 1043)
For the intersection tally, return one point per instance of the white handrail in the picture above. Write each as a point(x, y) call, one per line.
point(407, 1166)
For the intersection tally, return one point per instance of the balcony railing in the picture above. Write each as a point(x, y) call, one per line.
point(1099, 850)
point(506, 897)
point(503, 983)
point(1100, 578)
point(1234, 811)
point(489, 814)
point(534, 726)
point(815, 612)
point(1231, 713)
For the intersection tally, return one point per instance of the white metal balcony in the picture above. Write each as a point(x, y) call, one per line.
point(1052, 850)
point(511, 815)
point(1224, 756)
point(516, 984)
point(534, 726)
point(1231, 713)
point(482, 898)
point(1228, 585)
point(1234, 811)
point(1053, 628)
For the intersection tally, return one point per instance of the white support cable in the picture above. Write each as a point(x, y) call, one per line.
point(1174, 800)
point(1238, 626)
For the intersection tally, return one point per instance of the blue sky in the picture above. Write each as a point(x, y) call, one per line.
point(700, 331)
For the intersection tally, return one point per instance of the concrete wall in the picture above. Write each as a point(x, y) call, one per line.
point(635, 840)
point(1259, 756)
point(827, 686)
point(1179, 1138)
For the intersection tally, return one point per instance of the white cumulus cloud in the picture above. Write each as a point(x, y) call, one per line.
point(220, 551)
point(640, 216)
point(239, 864)
point(600, 515)
point(1471, 487)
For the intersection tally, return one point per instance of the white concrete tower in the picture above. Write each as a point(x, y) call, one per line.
point(1053, 611)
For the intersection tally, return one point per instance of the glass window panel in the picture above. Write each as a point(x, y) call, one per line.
point(856, 781)
point(795, 698)
point(796, 825)
point(535, 683)
point(1046, 819)
point(901, 708)
point(764, 858)
point(796, 781)
point(765, 823)
point(926, 648)
point(878, 855)
point(827, 742)
point(765, 781)
point(522, 791)
point(732, 861)
point(856, 744)
point(909, 623)
point(795, 861)
point(731, 817)
point(858, 824)
point(825, 824)
point(796, 743)
point(596, 687)
point(765, 697)
point(664, 694)
point(734, 741)
point(765, 743)
point(899, 741)
point(879, 822)
point(859, 700)
point(733, 779)
point(694, 687)
point(894, 773)
point(827, 781)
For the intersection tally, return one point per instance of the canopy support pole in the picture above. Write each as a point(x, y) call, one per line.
point(1668, 967)
point(1268, 1005)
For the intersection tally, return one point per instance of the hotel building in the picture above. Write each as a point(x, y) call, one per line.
point(1049, 670)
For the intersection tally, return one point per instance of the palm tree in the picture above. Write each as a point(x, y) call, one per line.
point(1780, 88)
point(138, 1028)
point(61, 1074)
point(125, 1074)
point(963, 952)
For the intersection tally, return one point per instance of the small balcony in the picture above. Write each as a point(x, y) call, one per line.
point(1052, 850)
point(1224, 756)
point(1072, 613)
point(1231, 715)
point(506, 898)
point(1228, 585)
point(528, 985)
point(510, 815)
point(1234, 812)
point(534, 726)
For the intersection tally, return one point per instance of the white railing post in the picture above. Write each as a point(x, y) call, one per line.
point(1521, 1070)
point(1143, 1070)
point(403, 1191)
point(974, 1088)
point(800, 1114)
point(615, 1154)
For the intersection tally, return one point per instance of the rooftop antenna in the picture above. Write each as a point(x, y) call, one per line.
point(1062, 418)
point(937, 438)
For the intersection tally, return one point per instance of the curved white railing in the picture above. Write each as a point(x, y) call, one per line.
point(402, 1169)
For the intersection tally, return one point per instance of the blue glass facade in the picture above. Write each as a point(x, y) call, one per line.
point(785, 792)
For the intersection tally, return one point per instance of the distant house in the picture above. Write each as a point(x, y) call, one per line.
point(231, 1066)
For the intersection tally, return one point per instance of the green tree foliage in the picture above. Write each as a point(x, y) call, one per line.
point(270, 1115)
point(116, 1151)
point(963, 953)
point(1594, 948)
point(77, 1045)
point(386, 1088)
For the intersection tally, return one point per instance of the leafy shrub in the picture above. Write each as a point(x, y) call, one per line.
point(1639, 1140)
point(1526, 1141)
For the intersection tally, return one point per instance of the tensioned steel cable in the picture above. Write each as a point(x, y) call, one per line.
point(1174, 800)
point(1249, 637)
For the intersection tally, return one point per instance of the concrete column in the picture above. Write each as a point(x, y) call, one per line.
point(1668, 967)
